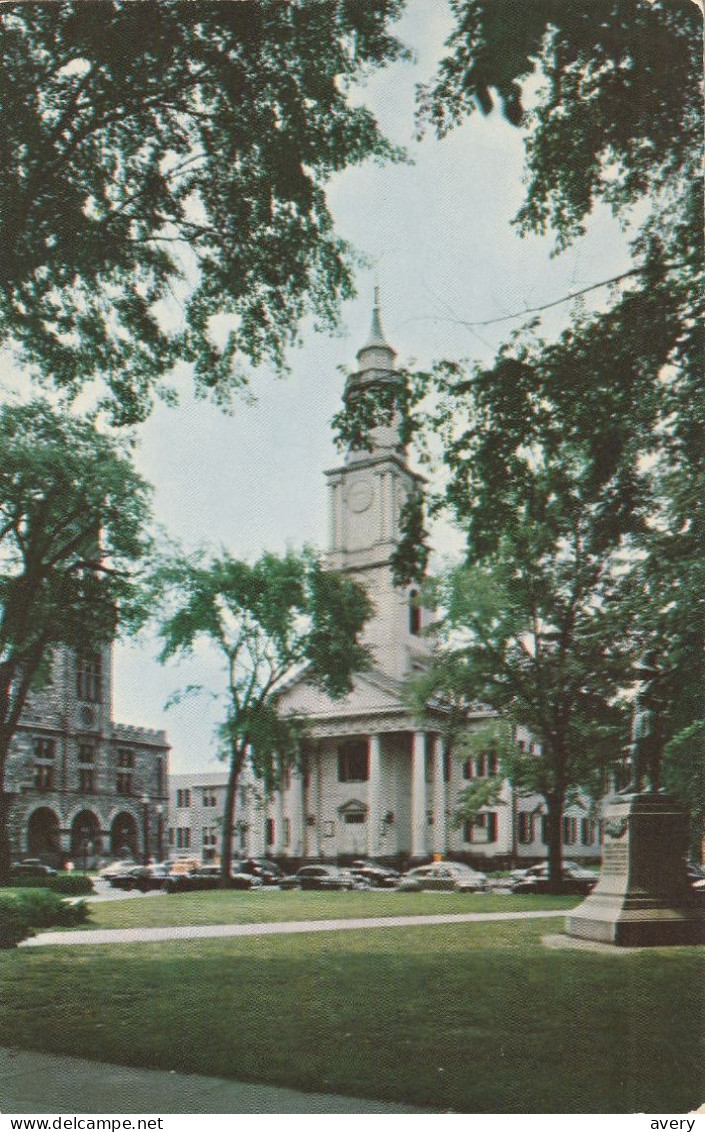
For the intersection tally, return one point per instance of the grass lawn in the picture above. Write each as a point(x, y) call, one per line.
point(463, 1017)
point(235, 907)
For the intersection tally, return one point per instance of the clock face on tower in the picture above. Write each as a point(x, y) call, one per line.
point(359, 495)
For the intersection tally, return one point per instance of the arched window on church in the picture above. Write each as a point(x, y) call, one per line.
point(414, 613)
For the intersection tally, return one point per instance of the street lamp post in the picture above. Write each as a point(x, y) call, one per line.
point(145, 822)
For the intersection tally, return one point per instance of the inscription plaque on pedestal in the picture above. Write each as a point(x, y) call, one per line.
point(642, 898)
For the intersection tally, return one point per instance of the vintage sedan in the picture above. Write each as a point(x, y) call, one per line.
point(140, 878)
point(322, 877)
point(32, 867)
point(575, 881)
point(443, 876)
point(378, 876)
point(209, 877)
point(269, 872)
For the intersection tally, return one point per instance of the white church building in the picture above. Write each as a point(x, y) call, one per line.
point(375, 781)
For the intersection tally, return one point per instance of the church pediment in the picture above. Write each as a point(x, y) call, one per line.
point(370, 693)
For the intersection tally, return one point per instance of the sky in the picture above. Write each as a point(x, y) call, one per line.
point(438, 237)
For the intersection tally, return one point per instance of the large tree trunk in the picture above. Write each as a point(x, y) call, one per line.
point(556, 804)
point(226, 850)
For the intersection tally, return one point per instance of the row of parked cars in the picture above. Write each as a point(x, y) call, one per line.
point(260, 872)
point(252, 873)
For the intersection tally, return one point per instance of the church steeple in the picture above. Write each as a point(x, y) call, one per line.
point(376, 358)
point(367, 498)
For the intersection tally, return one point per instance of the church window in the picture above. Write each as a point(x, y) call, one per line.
point(352, 761)
point(89, 672)
point(86, 752)
point(526, 828)
point(209, 798)
point(183, 799)
point(468, 769)
point(481, 830)
point(587, 831)
point(126, 758)
point(269, 831)
point(414, 613)
point(287, 831)
point(570, 830)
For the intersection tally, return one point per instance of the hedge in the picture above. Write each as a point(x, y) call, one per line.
point(70, 884)
point(22, 911)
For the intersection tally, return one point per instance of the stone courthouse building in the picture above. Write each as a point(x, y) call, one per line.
point(81, 786)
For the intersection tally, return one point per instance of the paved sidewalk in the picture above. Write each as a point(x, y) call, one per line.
point(219, 931)
point(45, 1083)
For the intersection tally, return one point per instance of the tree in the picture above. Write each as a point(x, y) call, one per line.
point(528, 627)
point(267, 620)
point(72, 531)
point(156, 153)
point(575, 465)
point(617, 120)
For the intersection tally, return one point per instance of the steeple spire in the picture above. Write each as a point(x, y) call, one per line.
point(376, 342)
point(376, 337)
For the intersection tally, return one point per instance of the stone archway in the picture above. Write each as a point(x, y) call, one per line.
point(86, 840)
point(124, 837)
point(43, 835)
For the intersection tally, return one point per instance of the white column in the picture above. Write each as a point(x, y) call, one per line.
point(418, 795)
point(278, 815)
point(314, 804)
point(374, 795)
point(440, 832)
point(296, 814)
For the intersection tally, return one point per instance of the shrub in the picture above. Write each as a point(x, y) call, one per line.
point(23, 910)
point(14, 923)
point(70, 884)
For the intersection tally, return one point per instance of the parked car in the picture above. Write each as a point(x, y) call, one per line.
point(443, 876)
point(140, 878)
point(209, 877)
point(269, 872)
point(378, 876)
point(323, 877)
point(576, 880)
point(32, 867)
point(116, 867)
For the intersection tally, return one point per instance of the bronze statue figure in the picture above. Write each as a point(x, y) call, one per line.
point(645, 747)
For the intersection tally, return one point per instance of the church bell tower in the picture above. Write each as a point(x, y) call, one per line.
point(367, 495)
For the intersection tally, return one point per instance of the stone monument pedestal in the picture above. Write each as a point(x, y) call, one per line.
point(642, 898)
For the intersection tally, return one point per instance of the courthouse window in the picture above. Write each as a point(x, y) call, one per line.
point(89, 671)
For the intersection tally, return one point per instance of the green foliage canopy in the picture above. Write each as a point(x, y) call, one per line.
point(73, 516)
point(147, 142)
